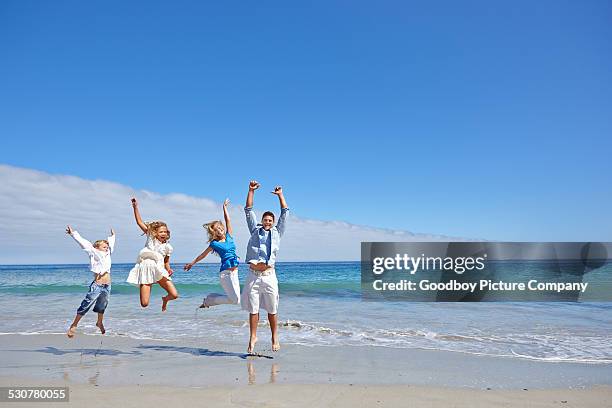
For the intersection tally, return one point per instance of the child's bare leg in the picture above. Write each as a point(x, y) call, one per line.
point(172, 292)
point(73, 326)
point(145, 295)
point(253, 322)
point(100, 324)
point(274, 328)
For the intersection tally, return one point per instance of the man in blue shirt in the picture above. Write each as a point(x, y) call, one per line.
point(261, 287)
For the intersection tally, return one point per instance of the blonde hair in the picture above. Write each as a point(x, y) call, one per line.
point(209, 229)
point(100, 241)
point(153, 226)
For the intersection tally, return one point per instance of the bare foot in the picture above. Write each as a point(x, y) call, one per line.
point(165, 301)
point(275, 346)
point(70, 332)
point(101, 327)
point(252, 342)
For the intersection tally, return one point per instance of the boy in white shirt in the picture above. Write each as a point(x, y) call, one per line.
point(99, 290)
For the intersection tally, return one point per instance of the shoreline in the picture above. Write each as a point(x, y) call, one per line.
point(118, 360)
point(264, 326)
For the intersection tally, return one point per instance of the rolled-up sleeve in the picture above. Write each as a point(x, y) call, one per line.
point(282, 221)
point(83, 243)
point(111, 243)
point(250, 219)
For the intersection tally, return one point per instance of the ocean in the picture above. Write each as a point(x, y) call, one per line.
point(320, 305)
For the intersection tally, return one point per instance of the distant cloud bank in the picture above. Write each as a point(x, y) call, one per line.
point(35, 208)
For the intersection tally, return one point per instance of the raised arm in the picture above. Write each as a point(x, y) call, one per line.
point(278, 191)
point(253, 185)
point(139, 220)
point(111, 241)
point(228, 221)
point(280, 225)
point(83, 243)
point(248, 209)
point(198, 258)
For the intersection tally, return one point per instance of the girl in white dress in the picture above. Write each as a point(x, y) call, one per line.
point(153, 263)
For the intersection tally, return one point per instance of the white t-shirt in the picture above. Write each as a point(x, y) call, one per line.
point(155, 245)
point(99, 261)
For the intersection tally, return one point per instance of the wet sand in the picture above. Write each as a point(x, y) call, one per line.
point(101, 370)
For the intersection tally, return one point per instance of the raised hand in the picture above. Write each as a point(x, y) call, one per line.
point(112, 232)
point(226, 202)
point(141, 224)
point(253, 185)
point(69, 230)
point(278, 190)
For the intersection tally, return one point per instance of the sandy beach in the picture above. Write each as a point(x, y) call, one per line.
point(102, 370)
point(336, 349)
point(308, 395)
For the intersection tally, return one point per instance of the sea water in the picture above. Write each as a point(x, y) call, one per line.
point(320, 305)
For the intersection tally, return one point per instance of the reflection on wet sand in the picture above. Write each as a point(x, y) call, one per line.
point(274, 370)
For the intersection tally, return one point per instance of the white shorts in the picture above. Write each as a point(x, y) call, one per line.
point(260, 291)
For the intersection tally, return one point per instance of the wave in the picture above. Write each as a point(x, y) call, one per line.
point(546, 348)
point(314, 334)
point(310, 289)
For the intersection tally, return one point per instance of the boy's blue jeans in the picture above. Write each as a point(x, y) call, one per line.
point(97, 297)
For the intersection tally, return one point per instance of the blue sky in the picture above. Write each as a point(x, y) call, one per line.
point(476, 119)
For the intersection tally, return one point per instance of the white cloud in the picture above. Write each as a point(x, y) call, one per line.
point(35, 208)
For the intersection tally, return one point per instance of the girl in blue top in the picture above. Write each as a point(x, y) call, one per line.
point(222, 243)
